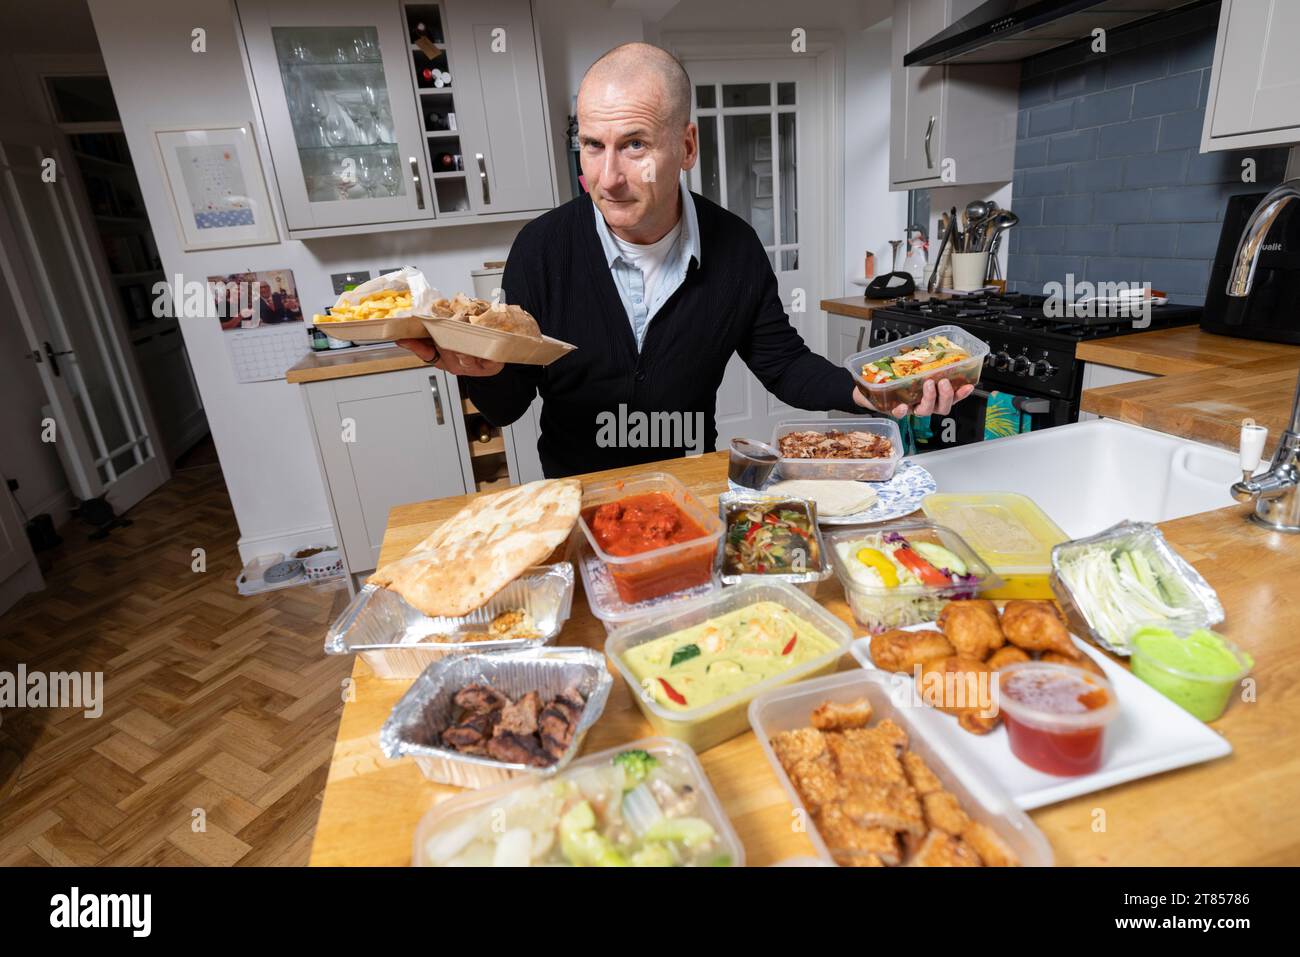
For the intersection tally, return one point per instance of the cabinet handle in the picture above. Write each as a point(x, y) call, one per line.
point(437, 399)
point(861, 335)
point(419, 190)
point(483, 180)
point(929, 132)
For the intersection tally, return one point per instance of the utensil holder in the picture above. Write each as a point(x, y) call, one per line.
point(968, 271)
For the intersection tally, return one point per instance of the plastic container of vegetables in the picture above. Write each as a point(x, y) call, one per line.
point(784, 544)
point(903, 574)
point(857, 470)
point(1009, 531)
point(908, 389)
point(1124, 576)
point(659, 571)
point(714, 721)
point(527, 823)
point(1195, 668)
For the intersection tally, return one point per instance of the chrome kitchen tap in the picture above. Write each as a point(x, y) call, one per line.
point(1276, 493)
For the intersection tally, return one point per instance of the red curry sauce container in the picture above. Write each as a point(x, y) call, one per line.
point(659, 571)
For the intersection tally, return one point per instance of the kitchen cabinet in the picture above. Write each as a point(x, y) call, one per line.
point(368, 130)
point(966, 114)
point(1254, 95)
point(384, 440)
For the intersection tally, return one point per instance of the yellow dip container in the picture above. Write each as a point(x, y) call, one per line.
point(1008, 531)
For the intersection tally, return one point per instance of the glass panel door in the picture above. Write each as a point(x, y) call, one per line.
point(94, 394)
point(334, 82)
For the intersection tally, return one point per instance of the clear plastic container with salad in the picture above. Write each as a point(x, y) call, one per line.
point(895, 374)
point(644, 804)
point(904, 574)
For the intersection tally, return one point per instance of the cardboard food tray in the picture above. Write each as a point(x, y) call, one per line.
point(494, 344)
point(376, 330)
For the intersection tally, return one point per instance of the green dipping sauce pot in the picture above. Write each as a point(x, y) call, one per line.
point(1198, 670)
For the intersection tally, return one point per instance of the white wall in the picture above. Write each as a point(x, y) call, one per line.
point(872, 214)
point(260, 429)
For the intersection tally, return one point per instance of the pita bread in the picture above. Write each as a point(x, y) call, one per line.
point(484, 547)
point(833, 496)
point(508, 319)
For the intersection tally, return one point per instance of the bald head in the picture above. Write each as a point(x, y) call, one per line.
point(645, 63)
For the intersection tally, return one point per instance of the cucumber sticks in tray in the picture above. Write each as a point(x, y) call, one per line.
point(1127, 576)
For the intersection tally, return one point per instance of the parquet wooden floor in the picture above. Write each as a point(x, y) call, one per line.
point(212, 702)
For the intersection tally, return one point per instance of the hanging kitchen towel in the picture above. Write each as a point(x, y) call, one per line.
point(1002, 418)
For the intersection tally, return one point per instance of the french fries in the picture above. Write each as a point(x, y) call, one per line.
point(375, 305)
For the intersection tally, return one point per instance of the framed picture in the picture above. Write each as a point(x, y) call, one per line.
point(217, 189)
point(249, 300)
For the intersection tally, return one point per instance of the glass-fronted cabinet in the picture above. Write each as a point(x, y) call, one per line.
point(387, 111)
point(341, 123)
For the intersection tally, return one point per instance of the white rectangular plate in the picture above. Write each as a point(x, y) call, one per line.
point(1151, 735)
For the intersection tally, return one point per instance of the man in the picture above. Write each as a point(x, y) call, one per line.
point(656, 286)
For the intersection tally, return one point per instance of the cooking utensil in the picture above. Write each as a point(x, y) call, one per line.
point(945, 235)
point(1004, 220)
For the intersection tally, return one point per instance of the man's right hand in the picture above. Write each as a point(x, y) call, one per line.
point(457, 363)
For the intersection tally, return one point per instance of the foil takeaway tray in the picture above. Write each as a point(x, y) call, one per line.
point(398, 641)
point(427, 708)
point(814, 572)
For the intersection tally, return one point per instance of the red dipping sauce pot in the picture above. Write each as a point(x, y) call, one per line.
point(1056, 716)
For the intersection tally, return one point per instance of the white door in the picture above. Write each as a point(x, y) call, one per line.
point(761, 140)
point(102, 428)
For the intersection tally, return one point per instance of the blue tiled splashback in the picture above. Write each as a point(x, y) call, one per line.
point(1109, 184)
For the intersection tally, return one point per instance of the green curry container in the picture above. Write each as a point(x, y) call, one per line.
point(1195, 668)
point(715, 721)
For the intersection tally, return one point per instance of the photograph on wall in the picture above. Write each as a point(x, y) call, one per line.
point(218, 192)
point(251, 300)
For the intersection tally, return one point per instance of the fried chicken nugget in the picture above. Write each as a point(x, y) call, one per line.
point(1006, 655)
point(943, 811)
point(830, 716)
point(943, 850)
point(904, 650)
point(1037, 626)
point(992, 850)
point(850, 839)
point(795, 747)
point(817, 783)
point(972, 627)
point(1083, 661)
point(960, 686)
point(919, 774)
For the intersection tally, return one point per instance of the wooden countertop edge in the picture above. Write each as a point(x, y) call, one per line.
point(314, 368)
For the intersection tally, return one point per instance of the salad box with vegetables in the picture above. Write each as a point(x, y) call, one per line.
point(905, 574)
point(895, 373)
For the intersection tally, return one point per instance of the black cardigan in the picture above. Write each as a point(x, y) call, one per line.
point(727, 304)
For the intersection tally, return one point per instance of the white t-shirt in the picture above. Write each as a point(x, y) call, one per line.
point(650, 258)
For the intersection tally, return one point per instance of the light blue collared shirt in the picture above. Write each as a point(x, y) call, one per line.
point(630, 281)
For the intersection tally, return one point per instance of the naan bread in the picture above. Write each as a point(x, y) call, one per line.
point(484, 547)
point(833, 496)
point(508, 319)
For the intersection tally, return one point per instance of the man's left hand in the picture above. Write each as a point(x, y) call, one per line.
point(933, 400)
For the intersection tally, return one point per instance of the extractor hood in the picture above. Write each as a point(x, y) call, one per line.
point(1003, 31)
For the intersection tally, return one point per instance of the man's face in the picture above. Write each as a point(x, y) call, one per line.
point(632, 153)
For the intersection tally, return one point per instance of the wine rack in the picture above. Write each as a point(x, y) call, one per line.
point(435, 86)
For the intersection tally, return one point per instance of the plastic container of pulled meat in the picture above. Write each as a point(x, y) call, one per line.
point(858, 470)
point(983, 799)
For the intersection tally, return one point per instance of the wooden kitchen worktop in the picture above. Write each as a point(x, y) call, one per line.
point(1238, 810)
point(343, 363)
point(860, 308)
point(1208, 383)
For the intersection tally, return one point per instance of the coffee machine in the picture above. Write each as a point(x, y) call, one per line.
point(1271, 310)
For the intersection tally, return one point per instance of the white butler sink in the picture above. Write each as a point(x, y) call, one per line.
point(1089, 475)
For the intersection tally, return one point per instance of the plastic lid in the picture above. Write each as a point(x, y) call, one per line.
point(1030, 713)
point(1006, 529)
